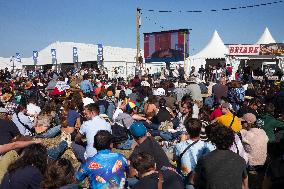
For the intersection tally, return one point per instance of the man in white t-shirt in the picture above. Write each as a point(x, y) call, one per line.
point(89, 129)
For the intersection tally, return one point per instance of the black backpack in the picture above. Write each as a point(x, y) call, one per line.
point(120, 133)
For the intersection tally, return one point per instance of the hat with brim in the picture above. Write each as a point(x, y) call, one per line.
point(6, 97)
point(28, 85)
point(248, 117)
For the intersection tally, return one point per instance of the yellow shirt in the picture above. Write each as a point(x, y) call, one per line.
point(227, 119)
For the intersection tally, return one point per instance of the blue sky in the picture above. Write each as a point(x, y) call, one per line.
point(27, 25)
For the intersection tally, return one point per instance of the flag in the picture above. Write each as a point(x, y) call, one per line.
point(18, 57)
point(100, 53)
point(53, 56)
point(35, 55)
point(75, 54)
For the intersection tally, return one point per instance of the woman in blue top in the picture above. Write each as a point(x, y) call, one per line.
point(70, 119)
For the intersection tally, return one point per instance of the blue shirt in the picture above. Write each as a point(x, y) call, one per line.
point(105, 170)
point(72, 117)
point(86, 86)
point(190, 157)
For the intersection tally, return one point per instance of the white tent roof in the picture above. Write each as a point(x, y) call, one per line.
point(213, 50)
point(86, 52)
point(266, 37)
point(7, 63)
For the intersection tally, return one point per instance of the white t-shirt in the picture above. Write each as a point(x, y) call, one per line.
point(90, 129)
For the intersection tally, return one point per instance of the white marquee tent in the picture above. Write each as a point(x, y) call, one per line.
point(215, 49)
point(86, 52)
point(64, 54)
point(266, 37)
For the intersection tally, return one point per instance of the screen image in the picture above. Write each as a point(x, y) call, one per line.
point(166, 46)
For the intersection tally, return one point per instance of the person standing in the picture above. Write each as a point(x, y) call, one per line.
point(201, 72)
point(220, 90)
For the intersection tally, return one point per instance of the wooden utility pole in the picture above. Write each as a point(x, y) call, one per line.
point(138, 25)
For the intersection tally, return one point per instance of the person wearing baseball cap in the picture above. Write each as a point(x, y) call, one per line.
point(138, 130)
point(147, 144)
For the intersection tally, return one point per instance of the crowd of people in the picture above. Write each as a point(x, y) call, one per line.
point(204, 131)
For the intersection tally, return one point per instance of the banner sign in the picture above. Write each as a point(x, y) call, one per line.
point(18, 57)
point(35, 55)
point(75, 54)
point(100, 53)
point(53, 56)
point(272, 49)
point(244, 49)
point(166, 46)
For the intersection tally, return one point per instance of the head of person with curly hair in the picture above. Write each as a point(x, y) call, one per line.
point(223, 137)
point(34, 155)
point(58, 174)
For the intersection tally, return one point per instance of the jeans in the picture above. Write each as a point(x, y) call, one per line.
point(79, 151)
point(165, 135)
point(50, 133)
point(151, 125)
point(132, 181)
point(190, 187)
point(176, 122)
point(126, 145)
point(56, 152)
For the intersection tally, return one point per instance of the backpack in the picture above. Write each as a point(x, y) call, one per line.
point(120, 133)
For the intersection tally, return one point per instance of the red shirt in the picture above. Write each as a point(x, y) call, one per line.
point(217, 112)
